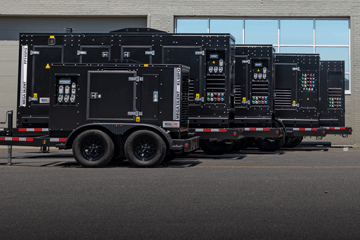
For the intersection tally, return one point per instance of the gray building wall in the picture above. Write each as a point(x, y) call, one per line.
point(161, 14)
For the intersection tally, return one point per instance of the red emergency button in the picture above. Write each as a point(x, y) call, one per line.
point(218, 99)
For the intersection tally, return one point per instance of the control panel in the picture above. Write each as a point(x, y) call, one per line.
point(260, 82)
point(308, 82)
point(66, 91)
point(335, 102)
point(215, 77)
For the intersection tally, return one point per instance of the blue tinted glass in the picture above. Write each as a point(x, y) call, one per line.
point(296, 49)
point(261, 31)
point(347, 82)
point(334, 53)
point(332, 32)
point(235, 27)
point(191, 25)
point(296, 32)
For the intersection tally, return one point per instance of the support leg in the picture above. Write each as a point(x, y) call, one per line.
point(9, 155)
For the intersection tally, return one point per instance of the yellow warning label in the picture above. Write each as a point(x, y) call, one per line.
point(308, 99)
point(244, 99)
point(35, 95)
point(146, 65)
point(213, 62)
point(294, 102)
point(198, 95)
point(47, 66)
point(137, 119)
point(258, 70)
point(52, 36)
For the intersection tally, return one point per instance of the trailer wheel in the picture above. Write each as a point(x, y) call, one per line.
point(93, 148)
point(215, 148)
point(171, 156)
point(145, 148)
point(291, 142)
point(240, 145)
point(271, 144)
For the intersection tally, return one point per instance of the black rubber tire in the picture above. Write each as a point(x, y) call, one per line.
point(215, 148)
point(93, 148)
point(240, 145)
point(291, 142)
point(171, 156)
point(270, 144)
point(145, 148)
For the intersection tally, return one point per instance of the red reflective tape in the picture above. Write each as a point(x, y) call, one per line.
point(314, 129)
point(206, 130)
point(29, 139)
point(16, 139)
point(62, 139)
point(331, 128)
point(222, 130)
point(2, 138)
point(38, 130)
point(301, 129)
point(342, 128)
point(22, 129)
point(252, 129)
point(266, 129)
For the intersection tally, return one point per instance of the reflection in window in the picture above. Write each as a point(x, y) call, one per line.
point(192, 25)
point(296, 32)
point(335, 53)
point(347, 83)
point(234, 27)
point(261, 31)
point(296, 49)
point(332, 32)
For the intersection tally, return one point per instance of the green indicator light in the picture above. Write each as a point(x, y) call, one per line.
point(208, 99)
point(208, 94)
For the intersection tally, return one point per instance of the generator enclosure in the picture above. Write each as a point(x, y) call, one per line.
point(117, 93)
point(332, 98)
point(210, 57)
point(254, 80)
point(296, 89)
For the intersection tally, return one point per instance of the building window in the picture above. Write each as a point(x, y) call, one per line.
point(328, 37)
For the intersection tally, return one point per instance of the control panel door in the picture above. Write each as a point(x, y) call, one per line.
point(286, 86)
point(241, 81)
point(141, 54)
point(43, 56)
point(94, 54)
point(111, 95)
point(147, 96)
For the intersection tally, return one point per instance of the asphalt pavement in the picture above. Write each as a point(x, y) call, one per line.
point(310, 192)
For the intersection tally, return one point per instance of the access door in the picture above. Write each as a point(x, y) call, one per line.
point(111, 95)
point(43, 56)
point(286, 95)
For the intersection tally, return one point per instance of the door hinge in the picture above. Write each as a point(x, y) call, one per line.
point(296, 69)
point(136, 79)
point(34, 52)
point(200, 53)
point(246, 61)
point(150, 52)
point(81, 52)
point(135, 113)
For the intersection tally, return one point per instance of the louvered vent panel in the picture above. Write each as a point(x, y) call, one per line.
point(283, 98)
point(238, 99)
